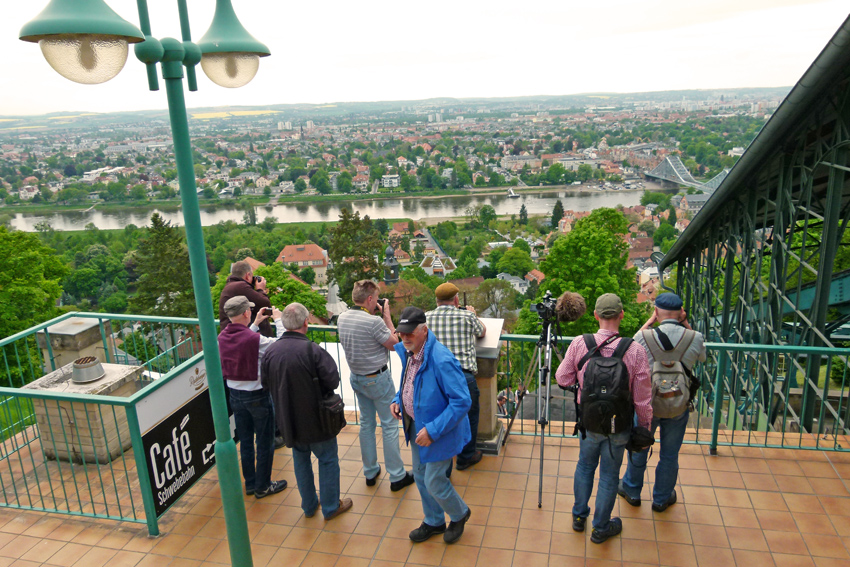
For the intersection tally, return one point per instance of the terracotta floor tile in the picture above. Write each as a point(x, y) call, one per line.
point(793, 484)
point(673, 532)
point(503, 517)
point(786, 560)
point(18, 545)
point(636, 528)
point(732, 498)
point(43, 550)
point(829, 562)
point(815, 523)
point(331, 542)
point(750, 539)
point(835, 506)
point(698, 495)
point(495, 558)
point(819, 470)
point(71, 553)
point(808, 503)
point(744, 558)
point(499, 538)
point(301, 538)
point(391, 549)
point(642, 552)
point(711, 536)
point(96, 557)
point(757, 466)
point(427, 553)
point(727, 479)
point(529, 559)
point(67, 530)
point(316, 559)
point(738, 517)
point(720, 463)
point(288, 556)
point(569, 543)
point(767, 501)
point(677, 554)
point(776, 520)
point(713, 556)
point(610, 550)
point(124, 559)
point(829, 486)
point(785, 542)
point(459, 556)
point(698, 514)
point(825, 546)
point(361, 546)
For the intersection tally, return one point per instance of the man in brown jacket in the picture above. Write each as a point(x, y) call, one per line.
point(241, 282)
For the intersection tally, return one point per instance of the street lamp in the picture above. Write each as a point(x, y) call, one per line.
point(86, 41)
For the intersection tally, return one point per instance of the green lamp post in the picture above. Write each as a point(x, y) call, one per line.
point(87, 42)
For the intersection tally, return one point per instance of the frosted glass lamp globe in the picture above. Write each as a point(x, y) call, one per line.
point(231, 69)
point(85, 58)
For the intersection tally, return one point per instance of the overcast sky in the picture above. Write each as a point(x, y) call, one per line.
point(331, 50)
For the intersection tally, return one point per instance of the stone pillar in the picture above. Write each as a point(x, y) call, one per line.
point(491, 431)
point(72, 339)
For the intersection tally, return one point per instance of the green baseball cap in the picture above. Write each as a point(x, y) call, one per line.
point(608, 306)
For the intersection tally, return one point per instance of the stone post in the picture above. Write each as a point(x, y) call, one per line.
point(491, 431)
point(72, 339)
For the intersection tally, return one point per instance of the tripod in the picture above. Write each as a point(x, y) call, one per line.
point(545, 344)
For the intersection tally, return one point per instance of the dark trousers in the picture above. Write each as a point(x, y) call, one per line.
point(469, 449)
point(254, 415)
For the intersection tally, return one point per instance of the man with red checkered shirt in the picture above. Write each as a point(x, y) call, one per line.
point(596, 447)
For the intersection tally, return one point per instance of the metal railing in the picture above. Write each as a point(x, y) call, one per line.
point(66, 452)
point(750, 395)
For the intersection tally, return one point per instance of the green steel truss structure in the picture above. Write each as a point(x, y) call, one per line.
point(762, 262)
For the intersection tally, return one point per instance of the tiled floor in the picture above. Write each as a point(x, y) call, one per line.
point(748, 507)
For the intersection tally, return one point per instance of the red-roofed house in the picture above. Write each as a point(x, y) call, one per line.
point(305, 255)
point(535, 275)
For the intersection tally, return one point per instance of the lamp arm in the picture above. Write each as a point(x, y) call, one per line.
point(186, 34)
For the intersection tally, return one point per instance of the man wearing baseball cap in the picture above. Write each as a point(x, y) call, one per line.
point(457, 329)
point(596, 450)
point(432, 403)
point(675, 335)
point(241, 348)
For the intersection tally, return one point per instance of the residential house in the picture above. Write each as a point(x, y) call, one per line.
point(306, 255)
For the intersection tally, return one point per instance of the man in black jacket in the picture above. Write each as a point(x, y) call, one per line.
point(287, 371)
point(241, 282)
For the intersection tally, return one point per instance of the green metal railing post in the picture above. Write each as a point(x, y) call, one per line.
point(229, 474)
point(141, 470)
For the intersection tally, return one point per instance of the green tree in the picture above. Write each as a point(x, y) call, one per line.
point(30, 277)
point(591, 260)
point(307, 274)
point(321, 182)
point(496, 297)
point(486, 214)
point(523, 215)
point(300, 185)
point(664, 232)
point(353, 248)
point(647, 226)
point(165, 281)
point(522, 245)
point(516, 262)
point(557, 213)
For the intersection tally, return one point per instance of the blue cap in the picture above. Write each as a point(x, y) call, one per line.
point(668, 302)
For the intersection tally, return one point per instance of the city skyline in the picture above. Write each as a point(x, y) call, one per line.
point(340, 52)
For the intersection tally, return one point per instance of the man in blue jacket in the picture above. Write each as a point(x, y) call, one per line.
point(433, 403)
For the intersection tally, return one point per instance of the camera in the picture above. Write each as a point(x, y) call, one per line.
point(257, 279)
point(383, 302)
point(545, 308)
point(267, 311)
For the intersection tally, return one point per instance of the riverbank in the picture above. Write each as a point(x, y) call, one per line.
point(171, 205)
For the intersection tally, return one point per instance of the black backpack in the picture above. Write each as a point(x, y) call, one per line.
point(606, 399)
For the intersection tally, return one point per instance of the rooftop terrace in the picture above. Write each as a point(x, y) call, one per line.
point(747, 506)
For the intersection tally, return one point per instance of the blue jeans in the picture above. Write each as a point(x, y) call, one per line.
point(438, 495)
point(591, 450)
point(254, 415)
point(374, 395)
point(667, 471)
point(468, 450)
point(327, 454)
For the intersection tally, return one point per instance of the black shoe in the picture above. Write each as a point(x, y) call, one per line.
point(662, 507)
point(275, 487)
point(476, 458)
point(249, 491)
point(279, 442)
point(615, 526)
point(425, 531)
point(632, 501)
point(455, 529)
point(374, 479)
point(399, 484)
point(579, 523)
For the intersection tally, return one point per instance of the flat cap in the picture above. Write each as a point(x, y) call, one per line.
point(668, 302)
point(237, 306)
point(446, 291)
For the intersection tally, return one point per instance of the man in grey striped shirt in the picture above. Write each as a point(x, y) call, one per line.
point(366, 340)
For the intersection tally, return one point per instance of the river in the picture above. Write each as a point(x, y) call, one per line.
point(535, 203)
